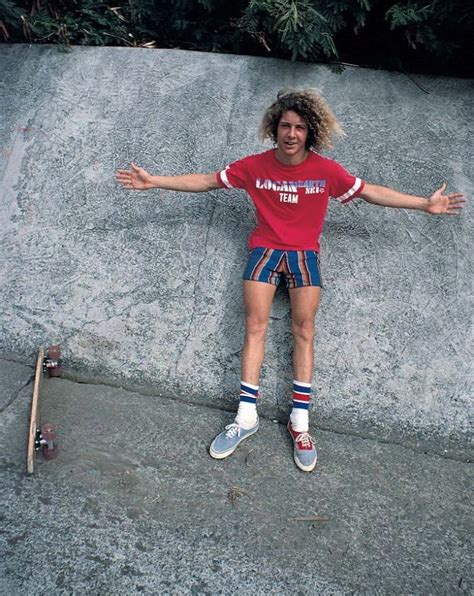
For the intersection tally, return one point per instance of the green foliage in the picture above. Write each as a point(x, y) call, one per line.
point(400, 15)
point(294, 25)
point(404, 34)
point(69, 22)
point(10, 14)
point(301, 28)
point(438, 28)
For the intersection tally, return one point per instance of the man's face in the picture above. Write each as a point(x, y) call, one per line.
point(292, 133)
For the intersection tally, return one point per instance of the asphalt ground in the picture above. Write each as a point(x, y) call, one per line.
point(134, 504)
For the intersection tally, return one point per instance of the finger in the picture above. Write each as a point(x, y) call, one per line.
point(442, 187)
point(124, 182)
point(122, 172)
point(135, 167)
point(456, 195)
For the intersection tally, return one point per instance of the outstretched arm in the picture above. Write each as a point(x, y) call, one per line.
point(437, 204)
point(139, 179)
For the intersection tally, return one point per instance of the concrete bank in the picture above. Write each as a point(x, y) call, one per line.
point(143, 290)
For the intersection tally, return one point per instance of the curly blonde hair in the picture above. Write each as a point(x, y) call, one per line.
point(309, 105)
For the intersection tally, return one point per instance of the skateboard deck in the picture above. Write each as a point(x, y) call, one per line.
point(42, 436)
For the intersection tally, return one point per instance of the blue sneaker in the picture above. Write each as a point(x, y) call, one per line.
point(304, 451)
point(229, 439)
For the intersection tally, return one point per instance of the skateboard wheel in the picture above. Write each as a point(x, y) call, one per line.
point(48, 432)
point(50, 452)
point(54, 352)
point(54, 356)
point(49, 445)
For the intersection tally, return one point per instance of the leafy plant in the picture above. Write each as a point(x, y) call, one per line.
point(404, 34)
point(301, 28)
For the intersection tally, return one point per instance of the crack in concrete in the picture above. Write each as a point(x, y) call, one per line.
point(213, 210)
point(16, 395)
point(271, 418)
point(95, 322)
point(196, 281)
point(124, 312)
point(212, 194)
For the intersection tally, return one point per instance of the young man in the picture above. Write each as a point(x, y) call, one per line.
point(290, 186)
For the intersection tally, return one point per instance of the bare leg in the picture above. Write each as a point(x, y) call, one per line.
point(258, 298)
point(304, 305)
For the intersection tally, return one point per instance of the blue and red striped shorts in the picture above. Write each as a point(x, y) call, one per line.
point(293, 268)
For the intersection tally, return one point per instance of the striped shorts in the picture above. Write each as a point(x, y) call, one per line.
point(292, 268)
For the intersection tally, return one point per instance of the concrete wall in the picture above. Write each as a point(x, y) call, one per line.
point(144, 289)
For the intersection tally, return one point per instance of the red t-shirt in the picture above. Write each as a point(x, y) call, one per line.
point(291, 201)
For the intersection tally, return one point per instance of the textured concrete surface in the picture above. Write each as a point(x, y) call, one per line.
point(143, 290)
point(134, 504)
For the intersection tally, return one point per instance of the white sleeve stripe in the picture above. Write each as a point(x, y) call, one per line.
point(224, 178)
point(354, 188)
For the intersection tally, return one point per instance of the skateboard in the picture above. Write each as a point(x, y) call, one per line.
point(42, 436)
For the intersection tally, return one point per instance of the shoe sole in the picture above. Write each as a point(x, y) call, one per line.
point(224, 454)
point(309, 468)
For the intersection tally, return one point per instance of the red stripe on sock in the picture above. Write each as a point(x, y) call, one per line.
point(302, 397)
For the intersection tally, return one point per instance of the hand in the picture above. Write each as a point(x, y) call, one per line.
point(439, 204)
point(136, 179)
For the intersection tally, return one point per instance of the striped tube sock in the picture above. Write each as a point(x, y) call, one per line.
point(247, 412)
point(299, 414)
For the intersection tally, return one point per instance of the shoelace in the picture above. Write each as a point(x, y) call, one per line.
point(232, 430)
point(305, 439)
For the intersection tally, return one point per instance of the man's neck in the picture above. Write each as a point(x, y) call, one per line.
point(290, 160)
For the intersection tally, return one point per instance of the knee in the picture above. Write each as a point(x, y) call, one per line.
point(303, 330)
point(256, 326)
